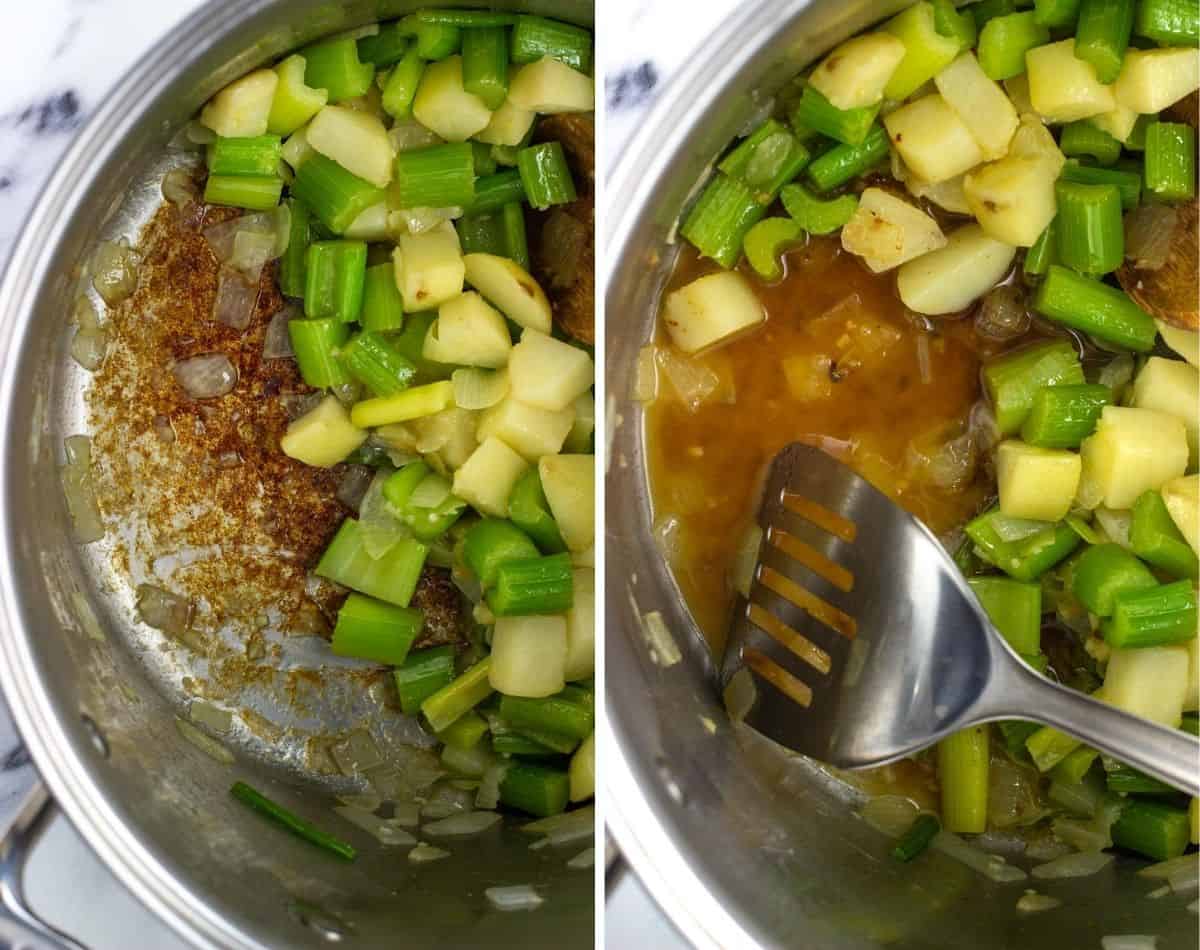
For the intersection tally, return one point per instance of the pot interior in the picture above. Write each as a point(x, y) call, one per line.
point(97, 693)
point(742, 843)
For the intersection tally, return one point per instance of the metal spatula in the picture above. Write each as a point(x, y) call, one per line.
point(866, 644)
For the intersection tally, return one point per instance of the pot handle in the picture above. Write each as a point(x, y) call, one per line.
point(27, 809)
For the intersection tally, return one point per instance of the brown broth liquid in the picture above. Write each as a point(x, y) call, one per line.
point(855, 389)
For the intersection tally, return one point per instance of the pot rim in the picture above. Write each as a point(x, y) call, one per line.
point(638, 177)
point(31, 263)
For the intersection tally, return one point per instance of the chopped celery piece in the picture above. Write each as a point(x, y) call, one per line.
point(535, 789)
point(459, 696)
point(490, 543)
point(540, 585)
point(719, 220)
point(333, 194)
point(372, 630)
point(766, 160)
point(1012, 380)
point(334, 66)
point(414, 403)
point(1015, 608)
point(1103, 571)
point(315, 344)
point(391, 577)
point(378, 365)
point(253, 192)
point(382, 307)
point(423, 674)
point(765, 243)
point(814, 215)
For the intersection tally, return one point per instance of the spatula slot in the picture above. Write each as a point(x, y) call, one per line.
point(799, 644)
point(821, 610)
point(811, 558)
point(821, 516)
point(795, 689)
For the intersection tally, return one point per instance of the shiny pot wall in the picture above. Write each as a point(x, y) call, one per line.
point(741, 846)
point(79, 677)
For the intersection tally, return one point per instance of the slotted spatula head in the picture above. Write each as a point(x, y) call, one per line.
point(862, 638)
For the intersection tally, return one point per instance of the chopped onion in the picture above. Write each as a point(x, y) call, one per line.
point(1185, 880)
point(355, 481)
point(222, 238)
point(199, 134)
point(488, 795)
point(1194, 907)
point(1013, 799)
point(584, 859)
point(207, 376)
point(1031, 902)
point(251, 251)
point(77, 485)
point(205, 743)
point(1116, 525)
point(380, 528)
point(163, 610)
point(645, 376)
point(469, 823)
point(666, 531)
point(447, 800)
point(1165, 869)
point(384, 830)
point(356, 754)
point(476, 388)
point(990, 865)
point(406, 814)
point(424, 853)
point(85, 314)
point(88, 348)
point(1002, 315)
point(406, 134)
point(347, 393)
point(746, 559)
point(1083, 864)
point(430, 492)
point(892, 815)
point(1129, 942)
point(998, 842)
point(300, 404)
point(516, 897)
point(663, 649)
point(1017, 529)
point(367, 800)
point(924, 363)
point(114, 271)
point(178, 187)
point(1082, 835)
point(235, 300)
point(210, 716)
point(277, 341)
point(565, 827)
point(1044, 846)
point(693, 382)
point(421, 220)
point(1149, 233)
point(739, 695)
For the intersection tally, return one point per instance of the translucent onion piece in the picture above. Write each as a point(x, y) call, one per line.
point(746, 559)
point(88, 348)
point(1013, 798)
point(1017, 529)
point(299, 404)
point(163, 610)
point(1117, 373)
point(1116, 525)
point(236, 296)
point(990, 865)
point(251, 251)
point(580, 821)
point(516, 897)
point(406, 814)
point(277, 342)
point(380, 528)
point(488, 795)
point(1149, 229)
point(222, 238)
point(78, 488)
point(406, 134)
point(385, 831)
point(645, 376)
point(354, 484)
point(1084, 864)
point(114, 271)
point(424, 853)
point(356, 753)
point(1082, 835)
point(739, 695)
point(1032, 902)
point(178, 187)
point(469, 823)
point(207, 376)
point(1003, 314)
point(85, 314)
point(210, 716)
point(982, 426)
point(205, 743)
point(890, 814)
point(420, 220)
point(366, 800)
point(666, 531)
point(1165, 869)
point(663, 649)
point(199, 134)
point(693, 382)
point(431, 492)
point(479, 388)
point(1129, 942)
point(1185, 880)
point(347, 393)
point(584, 859)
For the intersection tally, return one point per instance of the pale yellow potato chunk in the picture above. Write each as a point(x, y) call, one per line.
point(952, 277)
point(1152, 79)
point(980, 103)
point(711, 309)
point(1036, 483)
point(932, 139)
point(854, 74)
point(886, 231)
point(1063, 87)
point(1131, 451)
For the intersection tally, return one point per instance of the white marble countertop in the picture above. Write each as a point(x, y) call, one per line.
point(58, 59)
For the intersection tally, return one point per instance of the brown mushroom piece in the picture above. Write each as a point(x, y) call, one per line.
point(562, 240)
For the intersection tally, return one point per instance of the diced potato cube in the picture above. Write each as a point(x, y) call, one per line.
point(980, 103)
point(581, 627)
point(854, 74)
point(468, 332)
point(508, 125)
point(951, 278)
point(1191, 700)
point(1118, 123)
point(931, 138)
point(1182, 498)
point(507, 285)
point(1013, 198)
point(243, 108)
point(1063, 87)
point(445, 107)
point(807, 376)
point(886, 231)
point(296, 150)
point(1151, 682)
point(485, 480)
point(569, 482)
point(946, 194)
point(550, 87)
point(1033, 140)
point(548, 373)
point(429, 267)
point(1036, 483)
point(529, 656)
point(531, 431)
point(323, 436)
point(711, 309)
point(355, 140)
point(1184, 342)
point(1152, 79)
point(1017, 88)
point(1172, 386)
point(1131, 451)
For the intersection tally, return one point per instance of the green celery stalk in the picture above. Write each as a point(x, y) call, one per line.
point(378, 365)
point(391, 577)
point(423, 674)
point(1012, 380)
point(719, 220)
point(334, 65)
point(530, 512)
point(963, 773)
point(814, 215)
point(1061, 417)
point(491, 542)
point(849, 126)
point(534, 37)
point(334, 276)
point(1155, 829)
point(765, 160)
point(844, 162)
point(382, 307)
point(485, 64)
point(257, 155)
point(253, 192)
point(1157, 540)
point(545, 175)
point(535, 789)
point(315, 344)
point(1152, 617)
point(1087, 305)
point(372, 630)
point(562, 714)
point(1015, 608)
point(918, 837)
point(1102, 35)
point(292, 275)
point(540, 585)
point(1102, 572)
point(438, 176)
point(458, 697)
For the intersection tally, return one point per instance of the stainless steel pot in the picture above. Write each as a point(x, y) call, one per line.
point(740, 845)
point(94, 695)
